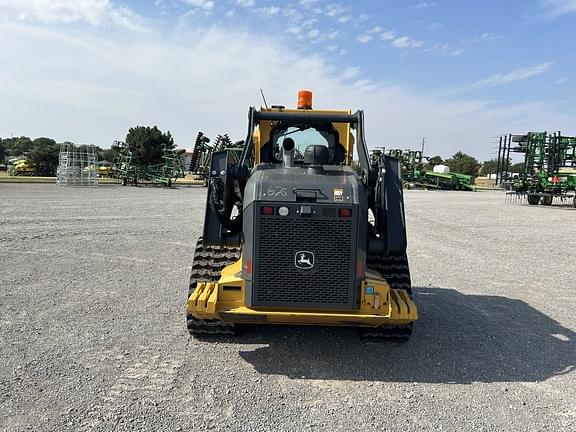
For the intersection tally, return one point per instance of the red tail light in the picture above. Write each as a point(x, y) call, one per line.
point(248, 266)
point(267, 211)
point(359, 269)
point(345, 212)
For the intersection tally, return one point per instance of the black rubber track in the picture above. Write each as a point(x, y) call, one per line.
point(395, 269)
point(206, 267)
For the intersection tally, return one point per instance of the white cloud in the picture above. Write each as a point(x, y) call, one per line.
point(446, 50)
point(363, 17)
point(331, 35)
point(202, 4)
point(350, 72)
point(489, 37)
point(424, 5)
point(365, 38)
point(295, 30)
point(406, 42)
point(556, 8)
point(335, 10)
point(484, 37)
point(294, 16)
point(269, 10)
point(388, 35)
point(309, 22)
point(560, 81)
point(246, 3)
point(66, 85)
point(94, 12)
point(313, 33)
point(513, 76)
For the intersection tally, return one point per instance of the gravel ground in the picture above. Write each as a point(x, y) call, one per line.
point(93, 338)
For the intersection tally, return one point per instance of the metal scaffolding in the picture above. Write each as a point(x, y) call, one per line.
point(77, 165)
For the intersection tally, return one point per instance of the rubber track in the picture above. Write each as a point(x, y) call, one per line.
point(395, 270)
point(208, 263)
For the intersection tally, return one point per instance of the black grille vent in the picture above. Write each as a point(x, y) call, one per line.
point(329, 284)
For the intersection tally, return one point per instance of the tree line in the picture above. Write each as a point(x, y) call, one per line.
point(465, 164)
point(145, 143)
point(40, 152)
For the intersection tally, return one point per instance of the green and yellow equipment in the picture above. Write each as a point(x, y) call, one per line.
point(21, 167)
point(548, 169)
point(287, 235)
point(415, 175)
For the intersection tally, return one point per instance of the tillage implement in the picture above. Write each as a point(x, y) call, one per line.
point(293, 234)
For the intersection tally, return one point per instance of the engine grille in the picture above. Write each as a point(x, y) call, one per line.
point(278, 282)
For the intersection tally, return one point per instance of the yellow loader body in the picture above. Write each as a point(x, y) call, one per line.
point(224, 300)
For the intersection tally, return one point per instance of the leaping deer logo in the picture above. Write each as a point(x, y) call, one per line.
point(304, 260)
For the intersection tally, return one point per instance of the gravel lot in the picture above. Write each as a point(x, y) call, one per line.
point(93, 336)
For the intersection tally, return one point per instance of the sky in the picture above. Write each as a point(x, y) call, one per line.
point(459, 73)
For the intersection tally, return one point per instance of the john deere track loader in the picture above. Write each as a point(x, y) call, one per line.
point(293, 234)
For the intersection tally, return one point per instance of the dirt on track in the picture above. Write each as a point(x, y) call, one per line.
point(93, 337)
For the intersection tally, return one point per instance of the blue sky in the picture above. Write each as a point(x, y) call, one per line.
point(459, 73)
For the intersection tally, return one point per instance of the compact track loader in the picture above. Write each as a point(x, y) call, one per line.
point(294, 234)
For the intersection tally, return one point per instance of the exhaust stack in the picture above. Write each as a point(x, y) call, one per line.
point(288, 152)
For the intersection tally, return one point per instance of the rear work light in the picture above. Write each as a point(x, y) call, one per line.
point(267, 211)
point(345, 212)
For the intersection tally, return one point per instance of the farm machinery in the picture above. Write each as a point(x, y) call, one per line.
point(415, 174)
point(202, 154)
point(125, 167)
point(20, 167)
point(287, 237)
point(548, 171)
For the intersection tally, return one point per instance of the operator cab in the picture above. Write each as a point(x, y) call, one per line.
point(318, 139)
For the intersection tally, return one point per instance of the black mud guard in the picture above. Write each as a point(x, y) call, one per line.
point(389, 211)
point(220, 202)
point(396, 226)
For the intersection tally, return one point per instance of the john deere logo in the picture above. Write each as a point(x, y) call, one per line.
point(304, 260)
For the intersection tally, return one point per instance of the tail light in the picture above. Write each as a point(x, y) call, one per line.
point(248, 266)
point(345, 212)
point(267, 211)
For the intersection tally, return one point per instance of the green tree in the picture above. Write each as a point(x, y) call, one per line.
point(105, 154)
point(433, 161)
point(463, 164)
point(147, 144)
point(17, 146)
point(2, 151)
point(516, 168)
point(42, 142)
point(44, 156)
point(490, 167)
